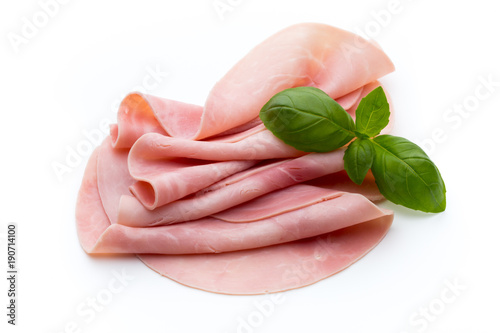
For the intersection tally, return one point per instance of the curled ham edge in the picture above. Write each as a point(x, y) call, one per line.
point(245, 186)
point(149, 158)
point(309, 48)
point(139, 114)
point(272, 267)
point(307, 54)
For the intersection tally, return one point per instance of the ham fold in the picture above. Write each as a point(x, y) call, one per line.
point(308, 54)
point(239, 188)
point(208, 197)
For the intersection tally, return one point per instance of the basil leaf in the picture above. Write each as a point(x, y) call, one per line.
point(358, 159)
point(372, 114)
point(308, 119)
point(405, 175)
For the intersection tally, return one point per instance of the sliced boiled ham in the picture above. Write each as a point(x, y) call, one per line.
point(208, 197)
point(274, 268)
point(301, 55)
point(213, 235)
point(357, 224)
point(231, 191)
point(154, 154)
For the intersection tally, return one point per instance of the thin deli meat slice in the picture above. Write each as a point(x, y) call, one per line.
point(295, 56)
point(212, 235)
point(113, 177)
point(274, 268)
point(340, 181)
point(166, 181)
point(91, 219)
point(209, 234)
point(258, 146)
point(255, 271)
point(208, 197)
point(168, 168)
point(308, 54)
point(232, 191)
point(279, 267)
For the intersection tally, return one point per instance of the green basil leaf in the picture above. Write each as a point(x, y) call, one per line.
point(372, 114)
point(358, 159)
point(406, 176)
point(361, 135)
point(307, 119)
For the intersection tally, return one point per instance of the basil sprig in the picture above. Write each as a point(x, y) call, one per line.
point(309, 120)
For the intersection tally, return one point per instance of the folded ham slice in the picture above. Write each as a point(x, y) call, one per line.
point(207, 196)
point(154, 154)
point(301, 55)
point(239, 188)
point(274, 268)
point(323, 212)
point(315, 233)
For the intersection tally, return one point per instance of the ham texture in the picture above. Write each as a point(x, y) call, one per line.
point(300, 55)
point(208, 197)
point(239, 188)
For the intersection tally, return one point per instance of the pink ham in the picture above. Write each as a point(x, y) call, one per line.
point(275, 268)
point(340, 181)
point(167, 169)
point(243, 223)
point(301, 55)
point(258, 146)
point(239, 188)
point(166, 181)
point(295, 56)
point(211, 235)
point(256, 271)
point(308, 211)
point(113, 177)
point(153, 154)
point(91, 219)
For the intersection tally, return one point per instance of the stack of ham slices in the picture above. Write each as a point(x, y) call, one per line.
point(208, 197)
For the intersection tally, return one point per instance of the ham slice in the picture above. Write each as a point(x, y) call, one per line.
point(358, 226)
point(91, 219)
point(301, 55)
point(154, 154)
point(325, 212)
point(169, 168)
point(232, 191)
point(167, 181)
point(208, 197)
point(259, 270)
point(340, 181)
point(275, 268)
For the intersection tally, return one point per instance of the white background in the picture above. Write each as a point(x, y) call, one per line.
point(68, 76)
